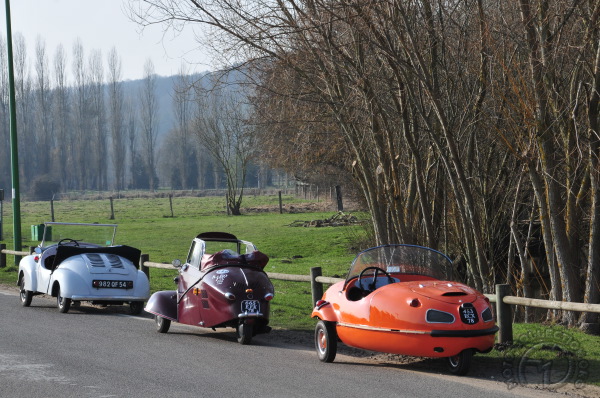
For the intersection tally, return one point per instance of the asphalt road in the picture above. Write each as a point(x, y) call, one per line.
point(99, 352)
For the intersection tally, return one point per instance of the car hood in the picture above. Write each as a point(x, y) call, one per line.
point(445, 291)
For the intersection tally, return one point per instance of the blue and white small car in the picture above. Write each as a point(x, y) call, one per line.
point(79, 262)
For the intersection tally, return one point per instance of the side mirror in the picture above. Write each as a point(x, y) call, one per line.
point(176, 263)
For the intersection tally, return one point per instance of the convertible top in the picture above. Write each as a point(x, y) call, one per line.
point(218, 236)
point(130, 253)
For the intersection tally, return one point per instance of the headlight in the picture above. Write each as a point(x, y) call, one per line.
point(435, 316)
point(486, 315)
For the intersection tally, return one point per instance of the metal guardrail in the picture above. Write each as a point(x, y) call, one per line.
point(501, 298)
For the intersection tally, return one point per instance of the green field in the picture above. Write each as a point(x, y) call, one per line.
point(147, 224)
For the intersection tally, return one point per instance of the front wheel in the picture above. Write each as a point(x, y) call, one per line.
point(63, 303)
point(460, 364)
point(162, 324)
point(244, 333)
point(26, 295)
point(326, 341)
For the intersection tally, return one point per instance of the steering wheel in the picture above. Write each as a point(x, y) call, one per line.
point(373, 284)
point(68, 240)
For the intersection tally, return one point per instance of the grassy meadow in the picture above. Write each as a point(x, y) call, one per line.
point(147, 224)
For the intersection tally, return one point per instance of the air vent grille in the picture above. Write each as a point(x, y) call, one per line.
point(114, 261)
point(95, 260)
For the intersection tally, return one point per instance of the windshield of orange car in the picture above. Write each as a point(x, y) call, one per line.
point(403, 259)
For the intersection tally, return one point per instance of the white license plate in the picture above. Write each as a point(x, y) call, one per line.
point(251, 306)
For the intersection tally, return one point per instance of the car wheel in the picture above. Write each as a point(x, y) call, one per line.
point(460, 364)
point(244, 333)
point(326, 341)
point(26, 295)
point(162, 324)
point(136, 307)
point(63, 303)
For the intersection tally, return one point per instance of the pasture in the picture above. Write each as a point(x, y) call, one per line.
point(146, 223)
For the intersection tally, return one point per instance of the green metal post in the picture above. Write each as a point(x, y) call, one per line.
point(14, 154)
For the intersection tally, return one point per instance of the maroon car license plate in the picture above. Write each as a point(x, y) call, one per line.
point(251, 306)
point(106, 284)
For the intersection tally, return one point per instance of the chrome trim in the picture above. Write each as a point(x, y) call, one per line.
point(250, 315)
point(372, 328)
point(109, 298)
point(230, 296)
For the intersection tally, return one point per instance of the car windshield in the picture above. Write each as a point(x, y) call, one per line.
point(403, 259)
point(98, 234)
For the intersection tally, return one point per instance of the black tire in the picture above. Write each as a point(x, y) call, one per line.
point(244, 333)
point(136, 307)
point(326, 341)
point(26, 295)
point(62, 303)
point(162, 324)
point(460, 364)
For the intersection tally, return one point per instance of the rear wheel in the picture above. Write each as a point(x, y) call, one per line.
point(63, 303)
point(136, 307)
point(326, 341)
point(460, 364)
point(26, 295)
point(244, 333)
point(162, 324)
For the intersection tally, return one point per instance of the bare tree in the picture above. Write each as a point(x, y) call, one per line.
point(183, 111)
point(131, 135)
point(4, 118)
point(98, 135)
point(44, 131)
point(24, 99)
point(223, 129)
point(149, 123)
point(64, 156)
point(117, 118)
point(81, 123)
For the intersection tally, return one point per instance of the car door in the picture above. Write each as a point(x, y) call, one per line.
point(43, 271)
point(188, 290)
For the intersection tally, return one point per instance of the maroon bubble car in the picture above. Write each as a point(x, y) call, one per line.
point(221, 284)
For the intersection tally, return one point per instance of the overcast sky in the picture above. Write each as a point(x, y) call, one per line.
point(100, 25)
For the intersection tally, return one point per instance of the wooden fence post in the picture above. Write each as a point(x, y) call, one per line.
point(145, 270)
point(2, 255)
point(171, 204)
point(316, 287)
point(503, 315)
point(280, 204)
point(338, 195)
point(52, 209)
point(112, 209)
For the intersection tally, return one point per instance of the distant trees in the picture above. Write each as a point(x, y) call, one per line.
point(148, 121)
point(469, 126)
point(116, 101)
